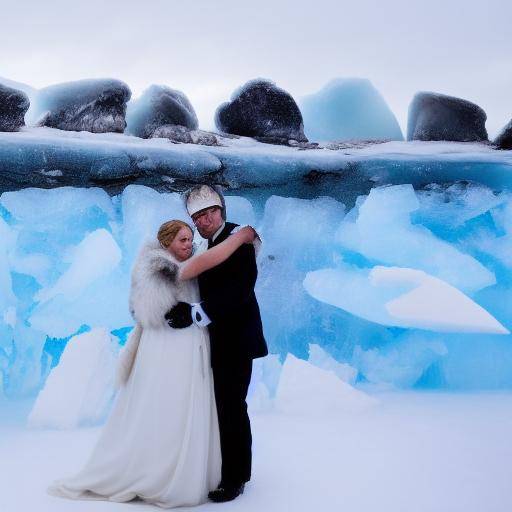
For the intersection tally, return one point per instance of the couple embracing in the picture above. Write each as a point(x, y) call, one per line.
point(179, 431)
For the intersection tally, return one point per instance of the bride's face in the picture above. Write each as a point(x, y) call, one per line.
point(181, 246)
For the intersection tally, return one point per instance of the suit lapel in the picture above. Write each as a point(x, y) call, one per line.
point(222, 235)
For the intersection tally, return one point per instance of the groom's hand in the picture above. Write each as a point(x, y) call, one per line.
point(180, 316)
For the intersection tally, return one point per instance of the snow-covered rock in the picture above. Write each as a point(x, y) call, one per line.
point(262, 110)
point(97, 106)
point(504, 139)
point(434, 116)
point(157, 113)
point(13, 106)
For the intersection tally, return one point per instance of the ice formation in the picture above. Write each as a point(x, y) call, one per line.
point(49, 158)
point(402, 297)
point(383, 231)
point(66, 254)
point(308, 390)
point(320, 358)
point(78, 391)
point(348, 109)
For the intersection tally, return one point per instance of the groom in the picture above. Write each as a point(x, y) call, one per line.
point(230, 310)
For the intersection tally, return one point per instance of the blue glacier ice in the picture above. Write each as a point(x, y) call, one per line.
point(348, 109)
point(49, 158)
point(442, 209)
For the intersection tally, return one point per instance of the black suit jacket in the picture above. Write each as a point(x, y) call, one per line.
point(227, 297)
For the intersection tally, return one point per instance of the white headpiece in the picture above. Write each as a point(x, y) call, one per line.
point(201, 198)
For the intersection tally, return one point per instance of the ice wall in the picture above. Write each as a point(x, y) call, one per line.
point(66, 254)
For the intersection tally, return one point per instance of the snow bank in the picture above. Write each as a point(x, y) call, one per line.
point(307, 389)
point(78, 391)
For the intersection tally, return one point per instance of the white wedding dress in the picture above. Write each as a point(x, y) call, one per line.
point(161, 441)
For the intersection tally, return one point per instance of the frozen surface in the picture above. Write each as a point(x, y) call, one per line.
point(418, 452)
point(349, 109)
point(47, 157)
point(50, 158)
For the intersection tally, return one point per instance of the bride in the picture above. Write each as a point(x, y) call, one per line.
point(161, 441)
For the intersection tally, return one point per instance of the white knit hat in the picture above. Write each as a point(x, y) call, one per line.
point(201, 198)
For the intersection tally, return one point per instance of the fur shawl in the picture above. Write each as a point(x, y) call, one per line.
point(155, 288)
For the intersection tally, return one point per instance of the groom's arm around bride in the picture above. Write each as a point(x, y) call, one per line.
point(236, 335)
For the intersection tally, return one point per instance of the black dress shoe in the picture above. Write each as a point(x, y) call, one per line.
point(226, 493)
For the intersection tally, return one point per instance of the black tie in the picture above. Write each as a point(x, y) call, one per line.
point(210, 244)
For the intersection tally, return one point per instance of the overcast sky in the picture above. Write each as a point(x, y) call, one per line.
point(208, 48)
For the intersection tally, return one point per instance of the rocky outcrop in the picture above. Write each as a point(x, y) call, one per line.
point(13, 106)
point(97, 106)
point(504, 139)
point(180, 134)
point(263, 111)
point(162, 112)
point(435, 116)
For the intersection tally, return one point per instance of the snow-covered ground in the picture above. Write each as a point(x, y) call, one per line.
point(410, 452)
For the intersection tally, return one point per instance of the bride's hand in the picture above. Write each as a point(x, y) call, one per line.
point(248, 234)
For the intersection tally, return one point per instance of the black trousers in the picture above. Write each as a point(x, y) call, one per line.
point(231, 383)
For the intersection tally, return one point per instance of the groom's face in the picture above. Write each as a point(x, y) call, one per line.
point(208, 221)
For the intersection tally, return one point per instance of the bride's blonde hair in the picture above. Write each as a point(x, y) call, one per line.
point(168, 231)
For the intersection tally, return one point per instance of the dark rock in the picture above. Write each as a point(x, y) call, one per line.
point(160, 107)
point(435, 116)
point(180, 134)
point(174, 133)
point(13, 106)
point(504, 139)
point(262, 110)
point(20, 86)
point(204, 138)
point(97, 106)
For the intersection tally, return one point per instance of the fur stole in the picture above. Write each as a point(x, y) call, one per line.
point(155, 285)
